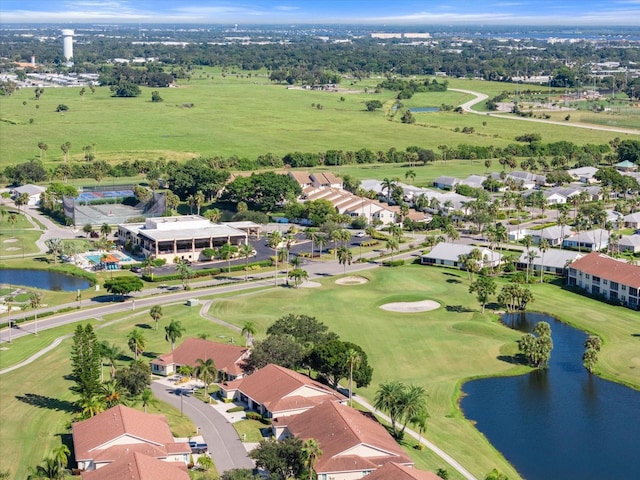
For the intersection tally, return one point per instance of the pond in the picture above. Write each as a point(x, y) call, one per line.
point(562, 422)
point(44, 279)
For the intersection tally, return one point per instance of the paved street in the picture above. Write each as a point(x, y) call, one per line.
point(226, 449)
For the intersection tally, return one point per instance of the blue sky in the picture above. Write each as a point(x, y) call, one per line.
point(389, 12)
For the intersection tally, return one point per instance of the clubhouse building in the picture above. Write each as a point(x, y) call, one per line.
point(181, 237)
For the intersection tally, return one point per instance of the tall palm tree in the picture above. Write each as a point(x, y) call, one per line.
point(531, 256)
point(388, 184)
point(12, 219)
point(186, 272)
point(206, 371)
point(61, 455)
point(246, 250)
point(389, 398)
point(275, 238)
point(49, 469)
point(393, 245)
point(173, 332)
point(322, 242)
point(419, 420)
point(227, 252)
point(290, 240)
point(345, 255)
point(413, 402)
point(313, 236)
point(311, 452)
point(335, 236)
point(248, 330)
point(136, 342)
point(35, 299)
point(111, 353)
point(191, 201)
point(354, 359)
point(199, 200)
point(105, 230)
point(410, 174)
point(544, 247)
point(146, 397)
point(156, 314)
point(111, 392)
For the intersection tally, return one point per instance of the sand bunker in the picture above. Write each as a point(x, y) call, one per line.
point(310, 285)
point(411, 307)
point(353, 280)
point(11, 249)
point(11, 240)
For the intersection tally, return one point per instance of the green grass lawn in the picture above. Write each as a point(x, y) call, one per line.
point(441, 348)
point(437, 349)
point(245, 117)
point(19, 238)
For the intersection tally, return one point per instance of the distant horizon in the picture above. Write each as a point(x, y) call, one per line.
point(401, 13)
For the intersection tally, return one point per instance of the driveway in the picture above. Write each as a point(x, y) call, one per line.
point(226, 449)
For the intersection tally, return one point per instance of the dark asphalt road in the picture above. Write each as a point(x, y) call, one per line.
point(226, 449)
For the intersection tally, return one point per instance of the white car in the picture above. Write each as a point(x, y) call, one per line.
point(360, 235)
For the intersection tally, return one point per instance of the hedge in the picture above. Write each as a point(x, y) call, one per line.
point(206, 272)
point(236, 409)
point(393, 263)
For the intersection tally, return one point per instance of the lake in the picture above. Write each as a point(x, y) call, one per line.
point(44, 279)
point(561, 423)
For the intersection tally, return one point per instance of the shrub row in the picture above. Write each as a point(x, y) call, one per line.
point(258, 417)
point(207, 272)
point(393, 263)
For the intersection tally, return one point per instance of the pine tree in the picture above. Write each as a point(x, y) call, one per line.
point(86, 362)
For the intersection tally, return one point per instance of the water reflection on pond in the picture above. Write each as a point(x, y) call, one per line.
point(562, 422)
point(44, 279)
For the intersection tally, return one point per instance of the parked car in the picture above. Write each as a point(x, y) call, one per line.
point(360, 235)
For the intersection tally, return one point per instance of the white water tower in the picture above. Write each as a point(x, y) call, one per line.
point(67, 45)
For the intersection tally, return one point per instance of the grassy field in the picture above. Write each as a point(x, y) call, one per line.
point(245, 117)
point(19, 238)
point(437, 349)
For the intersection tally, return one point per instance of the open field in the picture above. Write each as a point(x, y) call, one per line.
point(245, 117)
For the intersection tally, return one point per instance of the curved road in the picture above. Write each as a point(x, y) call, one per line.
point(481, 97)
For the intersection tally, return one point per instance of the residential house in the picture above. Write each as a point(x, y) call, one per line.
point(353, 444)
point(325, 179)
point(396, 471)
point(228, 358)
point(133, 465)
point(632, 220)
point(446, 183)
point(33, 191)
point(597, 239)
point(448, 254)
point(528, 177)
point(554, 235)
point(303, 178)
point(629, 243)
point(583, 174)
point(275, 391)
point(553, 261)
point(474, 181)
point(112, 434)
point(613, 279)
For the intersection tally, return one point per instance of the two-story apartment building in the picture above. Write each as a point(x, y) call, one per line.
point(612, 279)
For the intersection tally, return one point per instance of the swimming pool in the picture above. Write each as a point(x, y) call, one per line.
point(95, 257)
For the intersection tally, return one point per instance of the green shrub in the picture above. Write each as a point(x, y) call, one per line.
point(235, 409)
point(393, 263)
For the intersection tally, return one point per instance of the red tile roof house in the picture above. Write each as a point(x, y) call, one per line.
point(401, 472)
point(114, 433)
point(275, 391)
point(601, 275)
point(353, 444)
point(138, 466)
point(228, 358)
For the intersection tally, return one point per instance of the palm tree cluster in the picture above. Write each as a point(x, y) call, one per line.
point(404, 404)
point(537, 347)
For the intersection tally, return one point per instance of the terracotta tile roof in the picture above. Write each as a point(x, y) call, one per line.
point(227, 357)
point(396, 471)
point(280, 389)
point(341, 431)
point(116, 452)
point(117, 422)
point(138, 466)
point(302, 178)
point(608, 268)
